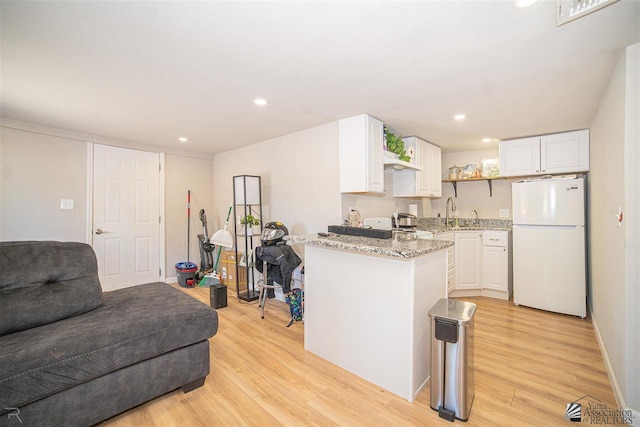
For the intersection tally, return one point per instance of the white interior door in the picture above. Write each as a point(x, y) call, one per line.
point(126, 216)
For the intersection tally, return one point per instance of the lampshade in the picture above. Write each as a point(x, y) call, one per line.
point(246, 190)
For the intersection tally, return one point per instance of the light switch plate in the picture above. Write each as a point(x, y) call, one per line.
point(67, 204)
point(504, 213)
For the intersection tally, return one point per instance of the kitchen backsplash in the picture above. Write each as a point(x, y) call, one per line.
point(431, 223)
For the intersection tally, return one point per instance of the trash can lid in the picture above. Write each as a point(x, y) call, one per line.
point(459, 311)
point(186, 265)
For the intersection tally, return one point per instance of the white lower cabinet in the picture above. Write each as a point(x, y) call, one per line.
point(468, 255)
point(483, 264)
point(495, 262)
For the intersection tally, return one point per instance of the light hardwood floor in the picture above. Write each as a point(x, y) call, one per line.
point(529, 365)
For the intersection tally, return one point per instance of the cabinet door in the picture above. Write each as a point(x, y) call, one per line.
point(423, 160)
point(360, 154)
point(434, 171)
point(565, 152)
point(519, 157)
point(495, 268)
point(468, 254)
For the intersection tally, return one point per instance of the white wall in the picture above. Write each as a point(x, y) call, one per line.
point(41, 165)
point(613, 251)
point(183, 174)
point(376, 205)
point(300, 181)
point(36, 172)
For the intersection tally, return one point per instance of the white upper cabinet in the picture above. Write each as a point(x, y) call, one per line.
point(565, 152)
point(360, 153)
point(434, 154)
point(520, 157)
point(548, 154)
point(426, 182)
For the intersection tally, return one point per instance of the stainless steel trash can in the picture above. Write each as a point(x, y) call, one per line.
point(452, 370)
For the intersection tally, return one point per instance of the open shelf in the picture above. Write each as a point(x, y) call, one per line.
point(390, 160)
point(455, 182)
point(247, 200)
point(399, 164)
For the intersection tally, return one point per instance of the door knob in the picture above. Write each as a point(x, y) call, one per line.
point(99, 231)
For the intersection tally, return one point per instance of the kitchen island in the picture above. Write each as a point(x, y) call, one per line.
point(367, 303)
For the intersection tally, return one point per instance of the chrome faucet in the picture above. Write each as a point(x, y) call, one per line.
point(453, 209)
point(476, 214)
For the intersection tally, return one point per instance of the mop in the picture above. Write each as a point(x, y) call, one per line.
point(222, 239)
point(186, 269)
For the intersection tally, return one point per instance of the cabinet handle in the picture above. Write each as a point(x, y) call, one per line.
point(494, 240)
point(504, 250)
point(537, 171)
point(544, 170)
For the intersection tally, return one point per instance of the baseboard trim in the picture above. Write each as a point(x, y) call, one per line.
point(461, 293)
point(617, 391)
point(173, 279)
point(422, 387)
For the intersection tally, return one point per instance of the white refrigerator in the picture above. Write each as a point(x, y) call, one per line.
point(549, 259)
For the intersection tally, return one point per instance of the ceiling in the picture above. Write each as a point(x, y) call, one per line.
point(151, 72)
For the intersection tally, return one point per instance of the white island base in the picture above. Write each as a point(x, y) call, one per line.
point(368, 314)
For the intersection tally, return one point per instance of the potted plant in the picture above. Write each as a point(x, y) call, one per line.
point(249, 221)
point(395, 144)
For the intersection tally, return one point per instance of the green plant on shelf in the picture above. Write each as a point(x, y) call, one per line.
point(250, 220)
point(395, 144)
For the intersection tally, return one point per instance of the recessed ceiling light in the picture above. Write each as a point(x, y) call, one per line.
point(459, 117)
point(260, 101)
point(182, 139)
point(486, 139)
point(524, 3)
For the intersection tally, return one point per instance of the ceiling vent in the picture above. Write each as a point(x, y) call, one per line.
point(569, 10)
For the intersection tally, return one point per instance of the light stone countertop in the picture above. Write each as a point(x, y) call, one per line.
point(368, 245)
point(440, 230)
point(436, 225)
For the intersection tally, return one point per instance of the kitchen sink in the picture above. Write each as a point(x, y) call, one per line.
point(457, 227)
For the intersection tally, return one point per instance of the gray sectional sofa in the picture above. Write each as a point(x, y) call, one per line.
point(73, 355)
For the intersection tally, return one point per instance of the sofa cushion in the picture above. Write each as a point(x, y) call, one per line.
point(132, 325)
point(42, 282)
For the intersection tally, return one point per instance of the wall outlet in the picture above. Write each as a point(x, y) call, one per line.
point(67, 204)
point(504, 213)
